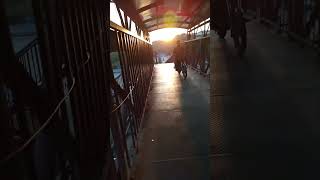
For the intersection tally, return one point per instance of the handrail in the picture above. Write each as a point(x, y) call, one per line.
point(122, 29)
point(201, 38)
point(199, 25)
point(30, 58)
point(27, 47)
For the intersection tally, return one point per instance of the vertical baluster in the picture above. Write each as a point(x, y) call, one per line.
point(28, 63)
point(33, 60)
point(38, 70)
point(23, 58)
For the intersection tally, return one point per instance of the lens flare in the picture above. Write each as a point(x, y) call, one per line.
point(166, 34)
point(170, 19)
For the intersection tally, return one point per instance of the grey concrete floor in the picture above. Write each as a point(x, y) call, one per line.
point(264, 108)
point(175, 141)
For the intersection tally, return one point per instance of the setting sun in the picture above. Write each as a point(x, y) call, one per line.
point(166, 34)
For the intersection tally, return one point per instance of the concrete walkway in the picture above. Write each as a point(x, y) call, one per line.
point(265, 107)
point(175, 141)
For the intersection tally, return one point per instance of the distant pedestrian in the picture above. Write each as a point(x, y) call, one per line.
point(178, 56)
point(313, 25)
point(238, 28)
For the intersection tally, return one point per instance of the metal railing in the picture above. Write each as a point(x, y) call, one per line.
point(290, 17)
point(72, 138)
point(29, 56)
point(136, 70)
point(200, 30)
point(197, 48)
point(86, 128)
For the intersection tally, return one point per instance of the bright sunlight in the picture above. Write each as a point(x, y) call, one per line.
point(166, 34)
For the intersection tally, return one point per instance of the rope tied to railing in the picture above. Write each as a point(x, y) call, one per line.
point(123, 101)
point(126, 98)
point(46, 123)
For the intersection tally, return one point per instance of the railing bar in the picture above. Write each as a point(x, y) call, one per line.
point(123, 59)
point(84, 72)
point(129, 45)
point(96, 69)
point(133, 133)
point(88, 73)
point(34, 72)
point(100, 68)
point(22, 61)
point(91, 68)
point(131, 60)
point(95, 66)
point(119, 28)
point(77, 102)
point(125, 46)
point(136, 48)
point(99, 64)
point(127, 60)
point(122, 56)
point(138, 75)
point(136, 65)
point(29, 63)
point(80, 40)
point(38, 64)
point(122, 126)
point(131, 38)
point(26, 48)
point(130, 65)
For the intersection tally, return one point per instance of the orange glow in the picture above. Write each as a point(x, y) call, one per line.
point(166, 34)
point(170, 19)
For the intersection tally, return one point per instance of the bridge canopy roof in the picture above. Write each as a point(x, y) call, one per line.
point(157, 14)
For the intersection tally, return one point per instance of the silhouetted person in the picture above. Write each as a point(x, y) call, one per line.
point(238, 30)
point(178, 56)
point(314, 18)
point(220, 17)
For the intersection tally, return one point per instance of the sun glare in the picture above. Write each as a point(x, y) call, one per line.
point(166, 34)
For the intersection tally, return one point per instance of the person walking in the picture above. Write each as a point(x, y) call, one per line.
point(178, 56)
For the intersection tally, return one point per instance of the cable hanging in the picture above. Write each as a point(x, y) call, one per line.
point(44, 125)
point(126, 98)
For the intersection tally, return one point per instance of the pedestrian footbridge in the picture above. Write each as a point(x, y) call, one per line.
point(85, 100)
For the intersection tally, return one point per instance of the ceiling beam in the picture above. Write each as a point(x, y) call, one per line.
point(129, 8)
point(162, 26)
point(160, 17)
point(197, 17)
point(195, 11)
point(169, 25)
point(152, 5)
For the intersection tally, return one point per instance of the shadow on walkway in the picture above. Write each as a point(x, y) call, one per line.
point(264, 109)
point(175, 138)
